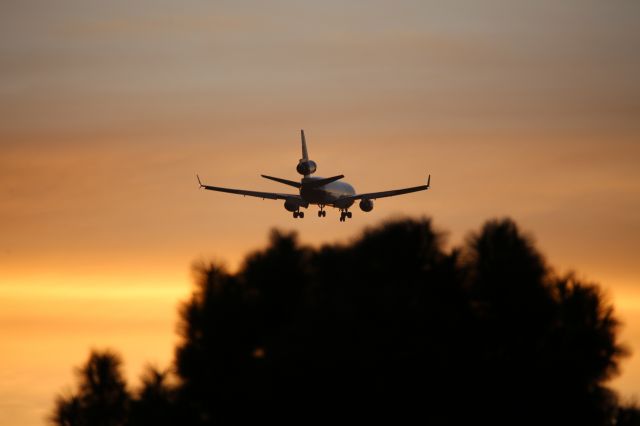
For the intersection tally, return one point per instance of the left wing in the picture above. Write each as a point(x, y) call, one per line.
point(392, 193)
point(258, 194)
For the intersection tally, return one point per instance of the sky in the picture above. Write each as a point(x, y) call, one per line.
point(523, 109)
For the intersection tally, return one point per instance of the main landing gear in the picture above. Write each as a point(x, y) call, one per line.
point(344, 214)
point(322, 212)
point(298, 214)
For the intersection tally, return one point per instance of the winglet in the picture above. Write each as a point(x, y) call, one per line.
point(305, 155)
point(429, 182)
point(200, 183)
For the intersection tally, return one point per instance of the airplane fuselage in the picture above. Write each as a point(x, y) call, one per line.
point(328, 194)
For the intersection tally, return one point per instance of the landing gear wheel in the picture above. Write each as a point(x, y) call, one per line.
point(349, 214)
point(301, 215)
point(295, 215)
point(320, 213)
point(324, 213)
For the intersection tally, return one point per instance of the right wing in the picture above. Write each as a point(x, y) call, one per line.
point(258, 194)
point(392, 193)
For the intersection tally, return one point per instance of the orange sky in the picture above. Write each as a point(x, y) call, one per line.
point(525, 109)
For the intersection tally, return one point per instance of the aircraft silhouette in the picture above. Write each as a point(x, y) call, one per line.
point(320, 191)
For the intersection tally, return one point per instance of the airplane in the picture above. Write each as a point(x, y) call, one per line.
point(323, 192)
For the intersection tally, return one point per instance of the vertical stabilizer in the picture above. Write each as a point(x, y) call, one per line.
point(305, 166)
point(305, 155)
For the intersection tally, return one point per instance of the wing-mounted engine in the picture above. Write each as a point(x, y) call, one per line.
point(294, 204)
point(366, 205)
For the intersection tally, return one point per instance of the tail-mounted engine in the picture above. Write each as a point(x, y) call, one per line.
point(366, 205)
point(306, 167)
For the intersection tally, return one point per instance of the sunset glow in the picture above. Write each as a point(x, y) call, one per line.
point(529, 110)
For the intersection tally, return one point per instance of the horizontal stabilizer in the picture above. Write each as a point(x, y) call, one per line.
point(320, 182)
point(285, 181)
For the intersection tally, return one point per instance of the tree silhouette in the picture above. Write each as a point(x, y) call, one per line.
point(155, 403)
point(389, 327)
point(216, 360)
point(67, 411)
point(102, 398)
point(627, 415)
point(541, 337)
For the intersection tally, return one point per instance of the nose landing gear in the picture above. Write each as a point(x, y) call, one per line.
point(322, 212)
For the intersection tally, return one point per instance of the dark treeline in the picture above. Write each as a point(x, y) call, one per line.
point(389, 328)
